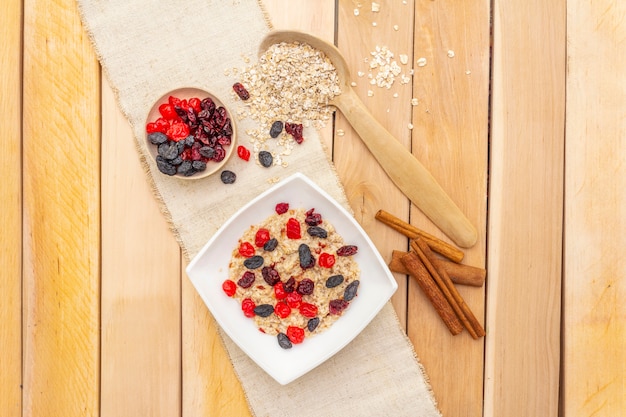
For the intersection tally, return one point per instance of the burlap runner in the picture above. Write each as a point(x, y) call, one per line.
point(148, 48)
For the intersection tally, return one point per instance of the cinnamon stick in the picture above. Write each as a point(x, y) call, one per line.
point(449, 290)
point(460, 274)
point(410, 231)
point(418, 271)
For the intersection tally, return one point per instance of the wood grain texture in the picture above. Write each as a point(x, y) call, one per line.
point(367, 186)
point(594, 284)
point(61, 147)
point(451, 139)
point(525, 209)
point(11, 219)
point(141, 273)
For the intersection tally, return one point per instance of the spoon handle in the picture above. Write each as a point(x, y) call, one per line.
point(406, 171)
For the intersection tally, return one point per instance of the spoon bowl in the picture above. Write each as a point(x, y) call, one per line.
point(406, 171)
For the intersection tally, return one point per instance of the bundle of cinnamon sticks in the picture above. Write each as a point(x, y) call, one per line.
point(436, 275)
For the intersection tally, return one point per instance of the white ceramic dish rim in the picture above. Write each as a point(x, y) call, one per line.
point(209, 269)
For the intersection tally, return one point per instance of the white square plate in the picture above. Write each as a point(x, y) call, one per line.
point(209, 269)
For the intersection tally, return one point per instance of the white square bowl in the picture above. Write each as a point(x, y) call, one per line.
point(209, 268)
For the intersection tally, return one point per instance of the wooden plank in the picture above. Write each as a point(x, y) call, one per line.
point(11, 219)
point(141, 275)
point(367, 186)
point(594, 287)
point(61, 149)
point(451, 85)
point(210, 385)
point(525, 209)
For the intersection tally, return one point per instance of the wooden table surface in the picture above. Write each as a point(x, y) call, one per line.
point(521, 116)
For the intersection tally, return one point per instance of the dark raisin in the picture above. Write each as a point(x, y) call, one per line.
point(276, 128)
point(246, 280)
point(312, 324)
point(185, 168)
point(305, 287)
point(266, 159)
point(157, 138)
point(165, 166)
point(333, 281)
point(198, 165)
point(270, 275)
point(263, 310)
point(228, 177)
point(189, 140)
point(306, 259)
point(312, 218)
point(168, 150)
point(177, 161)
point(270, 245)
point(290, 285)
point(241, 91)
point(350, 291)
point(253, 262)
point(283, 341)
point(207, 152)
point(337, 306)
point(317, 231)
point(347, 250)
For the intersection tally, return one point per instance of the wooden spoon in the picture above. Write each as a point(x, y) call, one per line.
point(409, 175)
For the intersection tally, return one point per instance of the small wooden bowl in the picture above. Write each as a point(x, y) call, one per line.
point(186, 94)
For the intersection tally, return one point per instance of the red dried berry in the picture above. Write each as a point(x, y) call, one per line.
point(308, 310)
point(337, 306)
point(229, 287)
point(282, 310)
point(279, 291)
point(293, 299)
point(282, 208)
point(295, 334)
point(347, 250)
point(305, 287)
point(178, 131)
point(247, 306)
point(246, 280)
point(261, 237)
point(326, 260)
point(196, 104)
point(151, 128)
point(168, 111)
point(293, 229)
point(241, 91)
point(243, 153)
point(312, 218)
point(295, 130)
point(246, 249)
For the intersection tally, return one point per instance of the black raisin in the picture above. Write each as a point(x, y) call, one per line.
point(177, 161)
point(207, 152)
point(164, 166)
point(317, 231)
point(168, 150)
point(266, 159)
point(228, 177)
point(253, 262)
point(312, 324)
point(270, 275)
point(263, 310)
point(157, 138)
point(305, 287)
point(189, 140)
point(333, 281)
point(283, 341)
point(350, 291)
point(198, 165)
point(246, 279)
point(276, 128)
point(306, 259)
point(185, 168)
point(270, 245)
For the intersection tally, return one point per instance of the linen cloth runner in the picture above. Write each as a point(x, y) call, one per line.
point(149, 48)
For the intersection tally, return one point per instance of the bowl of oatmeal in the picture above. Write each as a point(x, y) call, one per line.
point(189, 133)
point(291, 278)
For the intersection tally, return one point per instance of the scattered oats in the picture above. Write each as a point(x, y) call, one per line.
point(353, 84)
point(450, 53)
point(356, 12)
point(374, 24)
point(395, 95)
point(404, 2)
point(404, 59)
point(405, 79)
point(410, 126)
point(373, 81)
point(414, 102)
point(340, 132)
point(226, 72)
point(412, 71)
point(468, 72)
point(370, 75)
point(360, 73)
point(421, 62)
point(386, 68)
point(370, 93)
point(396, 27)
point(273, 180)
point(375, 7)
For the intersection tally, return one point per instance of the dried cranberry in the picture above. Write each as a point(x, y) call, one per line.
point(246, 249)
point(246, 280)
point(243, 152)
point(293, 299)
point(312, 218)
point(279, 291)
point(241, 91)
point(305, 287)
point(308, 310)
point(282, 208)
point(247, 306)
point(282, 310)
point(337, 306)
point(178, 131)
point(290, 285)
point(293, 228)
point(347, 250)
point(261, 237)
point(326, 260)
point(295, 334)
point(350, 291)
point(295, 130)
point(168, 112)
point(270, 275)
point(229, 287)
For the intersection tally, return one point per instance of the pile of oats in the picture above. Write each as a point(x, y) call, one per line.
point(291, 82)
